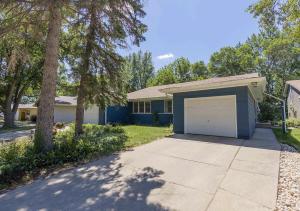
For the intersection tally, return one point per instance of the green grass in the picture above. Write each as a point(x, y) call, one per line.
point(138, 135)
point(291, 138)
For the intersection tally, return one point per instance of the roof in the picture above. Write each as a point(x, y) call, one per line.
point(66, 100)
point(61, 100)
point(294, 83)
point(27, 106)
point(167, 90)
point(150, 92)
point(204, 84)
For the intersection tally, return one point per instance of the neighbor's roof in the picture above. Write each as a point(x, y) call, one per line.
point(61, 100)
point(27, 106)
point(66, 100)
point(160, 91)
point(295, 84)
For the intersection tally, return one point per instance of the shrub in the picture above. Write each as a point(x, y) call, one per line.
point(21, 158)
point(291, 122)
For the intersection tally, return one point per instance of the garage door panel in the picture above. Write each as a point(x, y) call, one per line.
point(211, 116)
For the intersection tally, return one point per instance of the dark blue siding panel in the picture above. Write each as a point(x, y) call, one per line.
point(157, 106)
point(242, 107)
point(252, 113)
point(148, 119)
point(118, 114)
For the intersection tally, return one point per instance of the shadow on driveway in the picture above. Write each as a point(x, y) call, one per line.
point(101, 185)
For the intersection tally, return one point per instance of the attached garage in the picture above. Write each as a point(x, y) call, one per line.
point(211, 116)
point(219, 106)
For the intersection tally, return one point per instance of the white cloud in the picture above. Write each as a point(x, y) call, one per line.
point(166, 56)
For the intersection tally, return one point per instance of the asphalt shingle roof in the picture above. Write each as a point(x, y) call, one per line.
point(155, 91)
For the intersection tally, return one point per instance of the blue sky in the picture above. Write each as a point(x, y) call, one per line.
point(194, 28)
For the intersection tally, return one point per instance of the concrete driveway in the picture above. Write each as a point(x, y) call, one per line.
point(185, 172)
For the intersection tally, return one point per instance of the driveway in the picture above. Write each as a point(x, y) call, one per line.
point(184, 172)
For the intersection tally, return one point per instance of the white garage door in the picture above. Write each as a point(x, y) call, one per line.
point(211, 116)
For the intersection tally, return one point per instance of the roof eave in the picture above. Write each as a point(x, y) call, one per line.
point(224, 84)
point(149, 98)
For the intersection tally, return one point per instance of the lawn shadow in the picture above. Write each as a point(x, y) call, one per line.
point(101, 185)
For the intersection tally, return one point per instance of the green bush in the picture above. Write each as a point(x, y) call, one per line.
point(21, 158)
point(291, 122)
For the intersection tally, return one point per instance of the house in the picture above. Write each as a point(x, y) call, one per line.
point(64, 111)
point(223, 106)
point(292, 94)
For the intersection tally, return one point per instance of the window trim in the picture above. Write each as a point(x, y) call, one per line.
point(138, 107)
point(165, 106)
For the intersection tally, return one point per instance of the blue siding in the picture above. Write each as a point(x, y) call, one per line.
point(157, 106)
point(242, 107)
point(117, 114)
point(252, 113)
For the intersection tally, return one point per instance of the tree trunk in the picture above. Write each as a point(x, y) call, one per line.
point(80, 106)
point(84, 72)
point(45, 117)
point(9, 120)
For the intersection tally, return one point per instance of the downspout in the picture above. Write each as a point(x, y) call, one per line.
point(283, 111)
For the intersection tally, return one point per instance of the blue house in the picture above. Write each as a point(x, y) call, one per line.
point(222, 106)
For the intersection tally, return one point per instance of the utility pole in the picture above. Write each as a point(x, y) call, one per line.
point(284, 130)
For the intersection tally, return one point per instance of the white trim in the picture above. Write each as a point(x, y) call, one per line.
point(204, 98)
point(150, 98)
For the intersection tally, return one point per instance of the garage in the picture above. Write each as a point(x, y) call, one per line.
point(211, 116)
point(225, 106)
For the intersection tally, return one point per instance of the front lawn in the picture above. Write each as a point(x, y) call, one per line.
point(138, 135)
point(291, 138)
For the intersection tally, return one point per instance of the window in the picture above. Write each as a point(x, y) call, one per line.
point(168, 106)
point(135, 107)
point(141, 107)
point(147, 107)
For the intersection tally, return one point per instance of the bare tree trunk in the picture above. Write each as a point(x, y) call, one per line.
point(45, 117)
point(8, 116)
point(9, 120)
point(84, 72)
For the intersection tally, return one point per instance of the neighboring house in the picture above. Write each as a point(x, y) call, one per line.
point(224, 106)
point(292, 93)
point(64, 111)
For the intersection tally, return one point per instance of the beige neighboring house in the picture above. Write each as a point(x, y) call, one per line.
point(64, 111)
point(292, 94)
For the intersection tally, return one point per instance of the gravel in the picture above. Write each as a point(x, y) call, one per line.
point(288, 198)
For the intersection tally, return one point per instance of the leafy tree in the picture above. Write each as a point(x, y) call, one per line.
point(276, 46)
point(199, 70)
point(181, 70)
point(140, 67)
point(21, 59)
point(232, 61)
point(164, 76)
point(19, 13)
